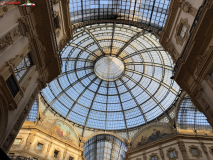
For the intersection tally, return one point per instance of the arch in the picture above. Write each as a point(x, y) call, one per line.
point(148, 126)
point(188, 117)
point(3, 118)
point(106, 133)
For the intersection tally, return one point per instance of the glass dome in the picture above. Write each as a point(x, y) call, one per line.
point(114, 76)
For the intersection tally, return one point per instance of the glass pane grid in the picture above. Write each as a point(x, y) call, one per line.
point(113, 90)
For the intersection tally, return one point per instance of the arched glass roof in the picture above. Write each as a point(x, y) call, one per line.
point(190, 118)
point(103, 147)
point(150, 12)
point(143, 91)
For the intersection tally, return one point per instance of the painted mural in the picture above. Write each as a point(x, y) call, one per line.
point(151, 134)
point(59, 129)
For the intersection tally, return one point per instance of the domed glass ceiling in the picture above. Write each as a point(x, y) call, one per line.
point(114, 76)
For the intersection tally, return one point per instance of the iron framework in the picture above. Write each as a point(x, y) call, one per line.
point(143, 93)
point(105, 147)
point(190, 118)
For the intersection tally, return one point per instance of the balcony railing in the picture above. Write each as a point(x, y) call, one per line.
point(184, 53)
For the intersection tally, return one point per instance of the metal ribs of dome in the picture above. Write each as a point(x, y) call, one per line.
point(143, 93)
point(150, 12)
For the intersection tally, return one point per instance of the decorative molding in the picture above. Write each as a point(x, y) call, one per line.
point(170, 48)
point(180, 40)
point(43, 147)
point(202, 58)
point(5, 42)
point(55, 1)
point(204, 148)
point(3, 117)
point(199, 151)
point(161, 153)
point(57, 32)
point(9, 141)
point(63, 42)
point(59, 154)
point(211, 150)
point(182, 149)
point(168, 154)
point(152, 155)
point(22, 141)
point(4, 9)
point(144, 157)
point(187, 7)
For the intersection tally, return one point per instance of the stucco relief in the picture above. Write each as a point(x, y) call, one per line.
point(182, 148)
point(180, 40)
point(187, 7)
point(5, 42)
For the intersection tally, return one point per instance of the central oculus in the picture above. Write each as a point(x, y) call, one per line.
point(109, 68)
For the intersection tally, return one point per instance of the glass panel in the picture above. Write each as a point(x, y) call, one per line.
point(17, 141)
point(39, 146)
point(154, 158)
point(195, 151)
point(71, 158)
point(33, 112)
point(56, 153)
point(190, 118)
point(22, 68)
point(172, 154)
point(114, 76)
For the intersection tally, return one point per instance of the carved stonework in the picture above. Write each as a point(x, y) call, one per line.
point(55, 1)
point(204, 150)
point(196, 90)
point(63, 42)
point(29, 141)
point(199, 151)
point(16, 32)
point(9, 141)
point(211, 150)
point(187, 7)
point(161, 154)
point(168, 153)
point(5, 9)
point(57, 32)
point(5, 42)
point(180, 40)
point(144, 157)
point(202, 59)
point(152, 155)
point(182, 148)
point(172, 51)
